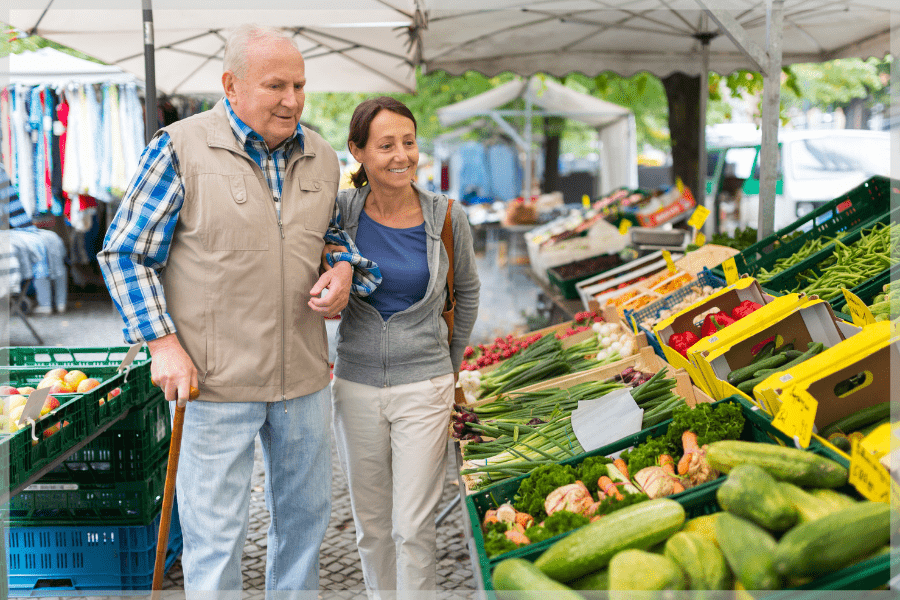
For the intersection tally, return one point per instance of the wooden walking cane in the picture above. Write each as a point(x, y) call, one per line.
point(165, 518)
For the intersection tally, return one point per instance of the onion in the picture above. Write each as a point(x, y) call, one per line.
point(468, 417)
point(459, 428)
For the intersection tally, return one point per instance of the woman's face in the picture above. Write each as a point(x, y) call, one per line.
point(391, 153)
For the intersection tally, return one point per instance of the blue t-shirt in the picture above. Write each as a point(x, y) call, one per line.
point(402, 256)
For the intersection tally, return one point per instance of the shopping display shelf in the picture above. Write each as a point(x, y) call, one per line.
point(83, 560)
point(564, 280)
point(757, 428)
point(847, 213)
point(79, 417)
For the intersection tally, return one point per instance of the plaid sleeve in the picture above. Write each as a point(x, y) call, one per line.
point(136, 246)
point(366, 274)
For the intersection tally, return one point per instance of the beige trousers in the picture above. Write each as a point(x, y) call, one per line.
point(392, 444)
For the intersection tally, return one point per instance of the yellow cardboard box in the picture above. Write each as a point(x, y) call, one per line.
point(868, 355)
point(725, 299)
point(718, 348)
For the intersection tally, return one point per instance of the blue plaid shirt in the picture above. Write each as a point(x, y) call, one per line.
point(136, 246)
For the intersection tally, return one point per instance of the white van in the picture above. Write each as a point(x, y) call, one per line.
point(815, 167)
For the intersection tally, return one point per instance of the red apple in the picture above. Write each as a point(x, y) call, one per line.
point(74, 377)
point(55, 373)
point(61, 387)
point(8, 390)
point(50, 403)
point(87, 385)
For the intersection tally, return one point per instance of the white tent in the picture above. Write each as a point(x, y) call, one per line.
point(50, 66)
point(545, 97)
point(360, 45)
point(662, 37)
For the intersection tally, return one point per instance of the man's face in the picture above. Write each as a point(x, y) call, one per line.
point(269, 98)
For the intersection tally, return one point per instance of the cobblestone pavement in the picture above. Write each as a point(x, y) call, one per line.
point(339, 561)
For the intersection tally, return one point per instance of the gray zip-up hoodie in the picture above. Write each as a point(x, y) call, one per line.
point(412, 344)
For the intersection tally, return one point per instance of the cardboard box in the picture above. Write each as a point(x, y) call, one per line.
point(871, 353)
point(730, 348)
point(621, 274)
point(725, 299)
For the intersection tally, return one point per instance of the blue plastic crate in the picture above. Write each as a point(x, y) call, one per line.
point(704, 277)
point(80, 560)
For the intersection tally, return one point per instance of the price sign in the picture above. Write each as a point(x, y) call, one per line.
point(731, 272)
point(634, 325)
point(796, 416)
point(624, 226)
point(34, 405)
point(699, 239)
point(679, 184)
point(868, 475)
point(669, 263)
point(699, 217)
point(130, 355)
point(586, 201)
point(860, 313)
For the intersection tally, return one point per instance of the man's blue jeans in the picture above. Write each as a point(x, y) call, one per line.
point(213, 487)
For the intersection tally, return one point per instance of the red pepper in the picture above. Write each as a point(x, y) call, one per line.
point(758, 347)
point(715, 322)
point(680, 342)
point(745, 308)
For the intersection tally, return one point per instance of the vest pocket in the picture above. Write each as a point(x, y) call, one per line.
point(317, 198)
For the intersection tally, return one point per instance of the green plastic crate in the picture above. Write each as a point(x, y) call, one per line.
point(127, 451)
point(128, 503)
point(787, 281)
point(697, 501)
point(83, 414)
point(70, 357)
point(587, 267)
point(847, 213)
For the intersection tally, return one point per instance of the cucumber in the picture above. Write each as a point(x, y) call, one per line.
point(591, 547)
point(859, 419)
point(750, 492)
point(784, 464)
point(750, 552)
point(835, 500)
point(744, 373)
point(808, 507)
point(834, 541)
point(518, 574)
point(840, 441)
point(598, 580)
point(636, 570)
point(705, 525)
point(701, 561)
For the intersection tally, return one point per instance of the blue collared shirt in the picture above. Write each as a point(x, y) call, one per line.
point(137, 243)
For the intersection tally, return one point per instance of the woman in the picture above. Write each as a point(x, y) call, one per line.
point(393, 377)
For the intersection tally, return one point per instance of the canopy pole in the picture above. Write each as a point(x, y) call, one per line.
point(151, 122)
point(700, 192)
point(526, 184)
point(768, 153)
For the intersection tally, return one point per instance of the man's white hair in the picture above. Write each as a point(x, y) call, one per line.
point(239, 40)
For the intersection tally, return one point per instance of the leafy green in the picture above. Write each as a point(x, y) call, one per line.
point(610, 504)
point(495, 540)
point(711, 424)
point(535, 488)
point(559, 522)
point(645, 454)
point(590, 470)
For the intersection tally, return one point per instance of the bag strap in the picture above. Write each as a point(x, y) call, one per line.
point(447, 239)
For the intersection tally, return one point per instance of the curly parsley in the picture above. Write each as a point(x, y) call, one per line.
point(495, 540)
point(645, 454)
point(559, 522)
point(711, 423)
point(590, 470)
point(535, 488)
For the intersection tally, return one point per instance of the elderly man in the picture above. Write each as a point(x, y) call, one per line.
point(212, 259)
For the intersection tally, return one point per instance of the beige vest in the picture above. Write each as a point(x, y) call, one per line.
point(236, 283)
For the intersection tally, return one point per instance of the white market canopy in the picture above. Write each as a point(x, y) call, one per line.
point(357, 45)
point(627, 37)
point(661, 37)
point(52, 67)
point(546, 97)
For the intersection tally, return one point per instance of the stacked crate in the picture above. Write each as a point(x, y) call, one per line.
point(91, 523)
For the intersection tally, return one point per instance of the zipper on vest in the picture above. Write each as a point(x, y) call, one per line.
point(281, 229)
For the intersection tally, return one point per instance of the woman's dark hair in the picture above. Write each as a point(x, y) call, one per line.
point(362, 120)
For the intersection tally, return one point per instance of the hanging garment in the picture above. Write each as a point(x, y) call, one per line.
point(71, 182)
point(39, 156)
point(104, 152)
point(505, 172)
point(112, 116)
point(9, 154)
point(130, 148)
point(91, 144)
point(59, 146)
point(48, 146)
point(24, 149)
